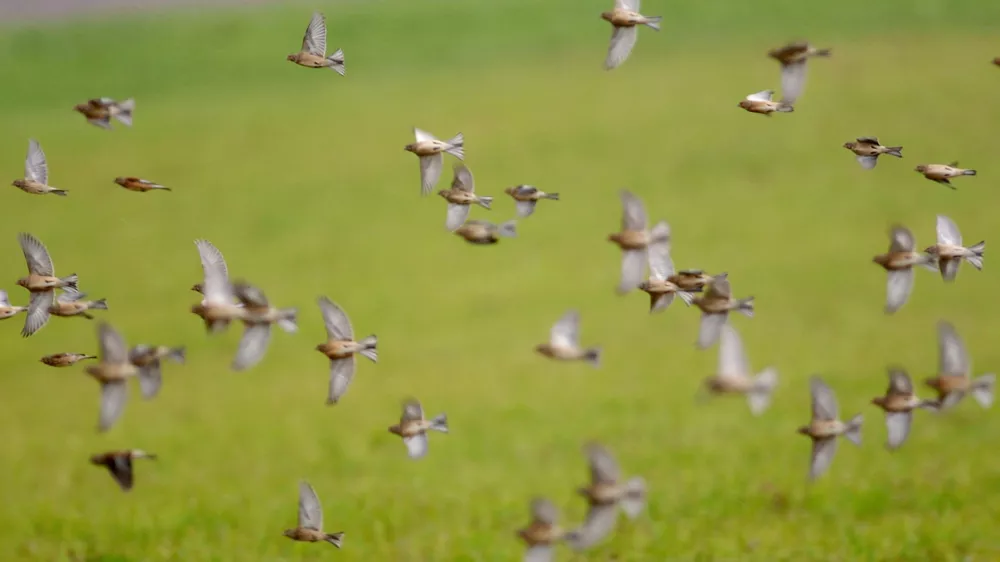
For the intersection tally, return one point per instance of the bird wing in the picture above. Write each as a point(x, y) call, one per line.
point(733, 361)
point(566, 331)
point(310, 511)
point(824, 401)
point(111, 344)
point(35, 166)
point(314, 41)
point(341, 374)
point(463, 179)
point(37, 256)
point(902, 239)
point(338, 325)
point(603, 468)
point(633, 211)
point(953, 359)
point(622, 42)
point(947, 231)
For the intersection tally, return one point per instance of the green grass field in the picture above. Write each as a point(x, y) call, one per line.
point(299, 177)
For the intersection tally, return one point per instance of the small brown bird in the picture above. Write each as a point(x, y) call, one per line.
point(133, 183)
point(953, 382)
point(119, 464)
point(340, 348)
point(605, 495)
point(7, 310)
point(624, 18)
point(99, 111)
point(690, 280)
point(65, 359)
point(258, 316)
point(542, 534)
point(634, 239)
point(715, 304)
point(413, 428)
point(899, 402)
point(761, 102)
point(949, 251)
point(218, 308)
point(793, 58)
point(484, 232)
point(564, 342)
point(868, 149)
point(826, 426)
point(112, 372)
point(661, 291)
point(313, 53)
point(71, 303)
point(36, 173)
point(526, 197)
point(147, 358)
point(41, 282)
point(310, 527)
point(735, 377)
point(996, 61)
point(941, 173)
point(429, 150)
point(899, 262)
point(460, 195)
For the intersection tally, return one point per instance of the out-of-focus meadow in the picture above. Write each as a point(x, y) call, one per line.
point(299, 177)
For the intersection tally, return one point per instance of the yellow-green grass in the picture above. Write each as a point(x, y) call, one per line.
point(299, 177)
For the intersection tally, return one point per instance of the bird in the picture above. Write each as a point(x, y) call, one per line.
point(218, 308)
point(99, 111)
point(899, 262)
point(481, 232)
point(733, 375)
point(942, 173)
point(310, 524)
point(8, 310)
point(634, 238)
point(953, 380)
point(564, 342)
point(112, 372)
point(605, 494)
point(825, 427)
point(71, 303)
point(542, 534)
point(793, 58)
point(429, 149)
point(36, 173)
point(65, 359)
point(526, 197)
point(898, 403)
point(661, 268)
point(258, 315)
point(690, 280)
point(119, 464)
point(340, 348)
point(460, 195)
point(761, 102)
point(313, 53)
point(949, 251)
point(133, 183)
point(715, 304)
point(624, 18)
point(868, 149)
point(41, 282)
point(413, 428)
point(996, 61)
point(148, 358)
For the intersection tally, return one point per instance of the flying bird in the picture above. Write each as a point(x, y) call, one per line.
point(99, 111)
point(793, 58)
point(526, 197)
point(218, 308)
point(413, 428)
point(133, 183)
point(313, 53)
point(542, 534)
point(624, 18)
point(661, 291)
point(310, 526)
point(65, 359)
point(605, 495)
point(735, 377)
point(460, 195)
point(481, 232)
point(825, 427)
point(715, 304)
point(258, 315)
point(429, 150)
point(868, 149)
point(148, 359)
point(634, 239)
point(953, 380)
point(36, 173)
point(899, 262)
point(690, 280)
point(112, 372)
point(942, 173)
point(119, 464)
point(762, 102)
point(564, 342)
point(8, 310)
point(41, 282)
point(898, 403)
point(71, 303)
point(340, 348)
point(949, 251)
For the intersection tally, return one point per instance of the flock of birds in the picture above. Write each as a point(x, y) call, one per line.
point(642, 246)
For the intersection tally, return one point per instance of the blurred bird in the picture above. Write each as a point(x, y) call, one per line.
point(526, 197)
point(258, 316)
point(899, 262)
point(71, 303)
point(899, 402)
point(133, 183)
point(542, 533)
point(484, 232)
point(112, 372)
point(41, 282)
point(429, 150)
point(761, 102)
point(793, 58)
point(564, 342)
point(413, 428)
point(735, 377)
point(634, 239)
point(460, 195)
point(7, 310)
point(218, 308)
point(826, 426)
point(953, 382)
point(99, 111)
point(624, 18)
point(996, 61)
point(36, 173)
point(310, 526)
point(715, 304)
point(147, 359)
point(949, 251)
point(119, 464)
point(65, 359)
point(868, 149)
point(605, 495)
point(661, 268)
point(340, 348)
point(690, 280)
point(941, 173)
point(313, 53)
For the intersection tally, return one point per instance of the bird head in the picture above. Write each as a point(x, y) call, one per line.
point(509, 190)
point(443, 193)
point(849, 145)
point(607, 16)
point(198, 288)
point(921, 168)
point(745, 104)
point(18, 183)
point(289, 533)
point(292, 58)
point(412, 147)
point(80, 107)
point(804, 430)
point(120, 180)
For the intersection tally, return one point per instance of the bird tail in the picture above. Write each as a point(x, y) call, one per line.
point(853, 432)
point(508, 229)
point(370, 348)
point(484, 202)
point(61, 192)
point(784, 107)
point(440, 423)
point(336, 62)
point(653, 22)
point(745, 307)
point(289, 320)
point(982, 389)
point(968, 172)
point(593, 356)
point(336, 539)
point(896, 151)
point(687, 297)
point(976, 260)
point(177, 354)
point(635, 497)
point(456, 146)
point(99, 304)
point(552, 196)
point(124, 113)
point(70, 281)
point(759, 395)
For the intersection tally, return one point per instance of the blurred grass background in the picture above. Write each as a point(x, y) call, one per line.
point(299, 177)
